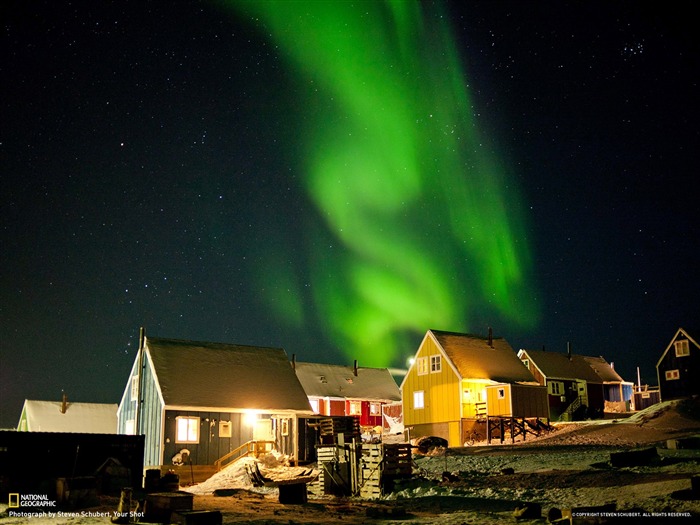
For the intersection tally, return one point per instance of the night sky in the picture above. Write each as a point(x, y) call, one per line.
point(335, 178)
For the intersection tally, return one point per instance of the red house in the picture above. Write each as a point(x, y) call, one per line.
point(336, 390)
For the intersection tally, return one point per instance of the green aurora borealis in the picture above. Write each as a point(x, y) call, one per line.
point(426, 225)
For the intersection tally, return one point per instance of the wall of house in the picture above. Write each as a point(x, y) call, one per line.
point(473, 398)
point(441, 392)
point(151, 417)
point(211, 444)
point(682, 380)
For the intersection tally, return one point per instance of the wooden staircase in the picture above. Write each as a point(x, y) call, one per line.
point(256, 448)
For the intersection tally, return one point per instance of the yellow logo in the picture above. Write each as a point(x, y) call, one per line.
point(13, 502)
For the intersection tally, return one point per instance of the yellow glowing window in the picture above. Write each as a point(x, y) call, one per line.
point(187, 429)
point(682, 348)
point(422, 366)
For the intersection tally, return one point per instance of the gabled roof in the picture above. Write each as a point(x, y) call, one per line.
point(373, 384)
point(89, 418)
point(473, 358)
point(604, 370)
point(680, 332)
point(217, 375)
point(555, 365)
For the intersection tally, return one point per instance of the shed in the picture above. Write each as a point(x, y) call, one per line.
point(517, 401)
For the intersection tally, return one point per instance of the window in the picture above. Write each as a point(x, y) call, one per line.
point(187, 429)
point(355, 408)
point(672, 374)
point(682, 348)
point(435, 364)
point(526, 362)
point(422, 366)
point(129, 427)
point(135, 388)
point(467, 395)
point(224, 429)
point(418, 399)
point(375, 409)
point(501, 393)
point(556, 388)
point(284, 427)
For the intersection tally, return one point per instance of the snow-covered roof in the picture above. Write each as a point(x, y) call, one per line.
point(604, 370)
point(90, 418)
point(372, 384)
point(217, 375)
point(474, 358)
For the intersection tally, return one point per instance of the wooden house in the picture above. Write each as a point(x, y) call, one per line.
point(65, 416)
point(444, 390)
point(197, 402)
point(617, 392)
point(336, 390)
point(575, 390)
point(679, 367)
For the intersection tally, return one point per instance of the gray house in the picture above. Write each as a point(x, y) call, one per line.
point(199, 401)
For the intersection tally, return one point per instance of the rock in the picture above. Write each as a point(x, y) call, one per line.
point(527, 511)
point(633, 458)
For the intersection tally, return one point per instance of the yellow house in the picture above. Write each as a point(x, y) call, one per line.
point(445, 386)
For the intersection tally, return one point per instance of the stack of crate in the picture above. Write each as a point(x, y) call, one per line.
point(381, 464)
point(332, 427)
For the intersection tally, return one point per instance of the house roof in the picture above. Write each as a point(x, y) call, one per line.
point(473, 358)
point(555, 365)
point(89, 418)
point(322, 380)
point(603, 369)
point(218, 375)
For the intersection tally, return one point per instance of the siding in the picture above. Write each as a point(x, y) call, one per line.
point(441, 390)
point(151, 412)
point(211, 445)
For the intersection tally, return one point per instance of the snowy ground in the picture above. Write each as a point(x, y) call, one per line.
point(567, 469)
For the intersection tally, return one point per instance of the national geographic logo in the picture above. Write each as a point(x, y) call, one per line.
point(16, 500)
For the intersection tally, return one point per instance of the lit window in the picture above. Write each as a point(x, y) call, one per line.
point(135, 388)
point(284, 427)
point(672, 374)
point(375, 409)
point(129, 427)
point(187, 429)
point(435, 364)
point(418, 399)
point(682, 348)
point(467, 396)
point(422, 366)
point(355, 408)
point(224, 429)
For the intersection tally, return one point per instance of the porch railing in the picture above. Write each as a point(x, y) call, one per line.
point(246, 449)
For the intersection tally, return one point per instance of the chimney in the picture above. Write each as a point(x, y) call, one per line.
point(568, 350)
point(294, 361)
point(64, 403)
point(354, 366)
point(142, 337)
point(490, 337)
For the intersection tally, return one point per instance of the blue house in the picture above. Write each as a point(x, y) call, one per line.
point(196, 402)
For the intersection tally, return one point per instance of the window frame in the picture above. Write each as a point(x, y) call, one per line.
point(418, 395)
point(422, 367)
point(672, 375)
point(682, 348)
point(435, 364)
point(193, 423)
